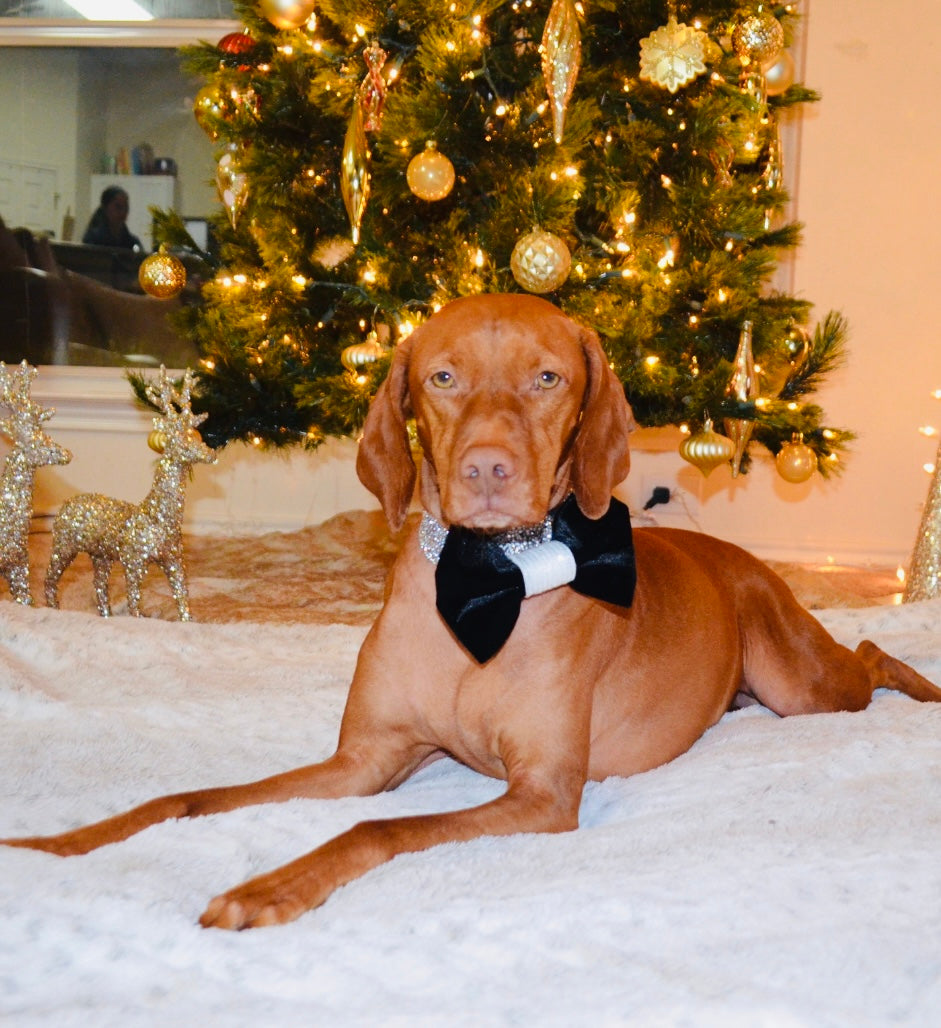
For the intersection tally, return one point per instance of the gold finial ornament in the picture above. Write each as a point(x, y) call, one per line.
point(561, 50)
point(232, 183)
point(743, 387)
point(354, 170)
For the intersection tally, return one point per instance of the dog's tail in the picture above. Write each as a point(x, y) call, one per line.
point(886, 672)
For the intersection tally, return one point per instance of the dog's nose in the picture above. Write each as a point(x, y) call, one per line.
point(487, 469)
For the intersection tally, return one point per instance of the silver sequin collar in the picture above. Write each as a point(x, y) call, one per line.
point(431, 536)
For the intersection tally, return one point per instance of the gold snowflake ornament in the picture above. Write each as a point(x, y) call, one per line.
point(672, 55)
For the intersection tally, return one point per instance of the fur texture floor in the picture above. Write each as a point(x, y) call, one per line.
point(334, 573)
point(781, 874)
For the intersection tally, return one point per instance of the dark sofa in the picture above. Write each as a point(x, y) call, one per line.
point(51, 315)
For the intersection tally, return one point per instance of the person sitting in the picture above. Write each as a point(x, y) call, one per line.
point(108, 225)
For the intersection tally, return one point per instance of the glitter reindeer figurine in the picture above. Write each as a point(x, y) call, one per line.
point(137, 535)
point(31, 449)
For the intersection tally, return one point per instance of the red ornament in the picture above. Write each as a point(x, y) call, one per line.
point(237, 44)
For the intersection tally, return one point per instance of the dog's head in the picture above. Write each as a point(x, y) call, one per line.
point(515, 405)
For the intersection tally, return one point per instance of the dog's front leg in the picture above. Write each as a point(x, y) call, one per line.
point(350, 771)
point(287, 892)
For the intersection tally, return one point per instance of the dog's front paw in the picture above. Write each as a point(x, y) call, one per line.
point(68, 844)
point(251, 906)
point(273, 898)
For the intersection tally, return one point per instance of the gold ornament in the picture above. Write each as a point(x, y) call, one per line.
point(161, 274)
point(540, 261)
point(707, 449)
point(357, 356)
point(354, 171)
point(232, 183)
point(772, 175)
point(779, 75)
point(924, 572)
point(672, 55)
point(797, 342)
point(743, 387)
point(758, 39)
point(137, 535)
point(209, 106)
point(796, 461)
point(31, 449)
point(430, 175)
point(157, 440)
point(287, 14)
point(561, 50)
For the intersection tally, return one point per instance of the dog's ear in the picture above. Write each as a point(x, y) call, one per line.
point(384, 460)
point(600, 452)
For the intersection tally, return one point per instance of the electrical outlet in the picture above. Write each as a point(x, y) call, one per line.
point(680, 508)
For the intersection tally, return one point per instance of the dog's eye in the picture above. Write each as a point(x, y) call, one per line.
point(547, 380)
point(442, 379)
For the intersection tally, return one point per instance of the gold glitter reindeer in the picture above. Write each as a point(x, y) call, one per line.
point(32, 449)
point(137, 535)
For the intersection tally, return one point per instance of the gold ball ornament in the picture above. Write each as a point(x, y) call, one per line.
point(209, 106)
point(287, 14)
point(758, 39)
point(157, 440)
point(540, 261)
point(707, 449)
point(430, 175)
point(779, 75)
point(796, 461)
point(161, 274)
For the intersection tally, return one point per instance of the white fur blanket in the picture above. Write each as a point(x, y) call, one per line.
point(783, 872)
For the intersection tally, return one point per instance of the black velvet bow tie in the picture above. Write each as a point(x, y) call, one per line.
point(480, 589)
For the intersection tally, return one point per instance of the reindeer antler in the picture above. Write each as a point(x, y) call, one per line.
point(175, 404)
point(15, 385)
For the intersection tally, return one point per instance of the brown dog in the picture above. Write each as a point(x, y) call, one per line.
point(517, 408)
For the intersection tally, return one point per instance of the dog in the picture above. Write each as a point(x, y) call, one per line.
point(580, 674)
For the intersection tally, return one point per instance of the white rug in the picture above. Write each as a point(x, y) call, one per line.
point(782, 873)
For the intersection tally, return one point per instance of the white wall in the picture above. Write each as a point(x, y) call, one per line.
point(38, 118)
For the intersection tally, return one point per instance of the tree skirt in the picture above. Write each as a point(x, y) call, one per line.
point(782, 872)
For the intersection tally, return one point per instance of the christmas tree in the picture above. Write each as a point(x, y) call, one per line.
point(377, 159)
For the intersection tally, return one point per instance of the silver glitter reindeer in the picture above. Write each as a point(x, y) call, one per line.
point(137, 535)
point(32, 449)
